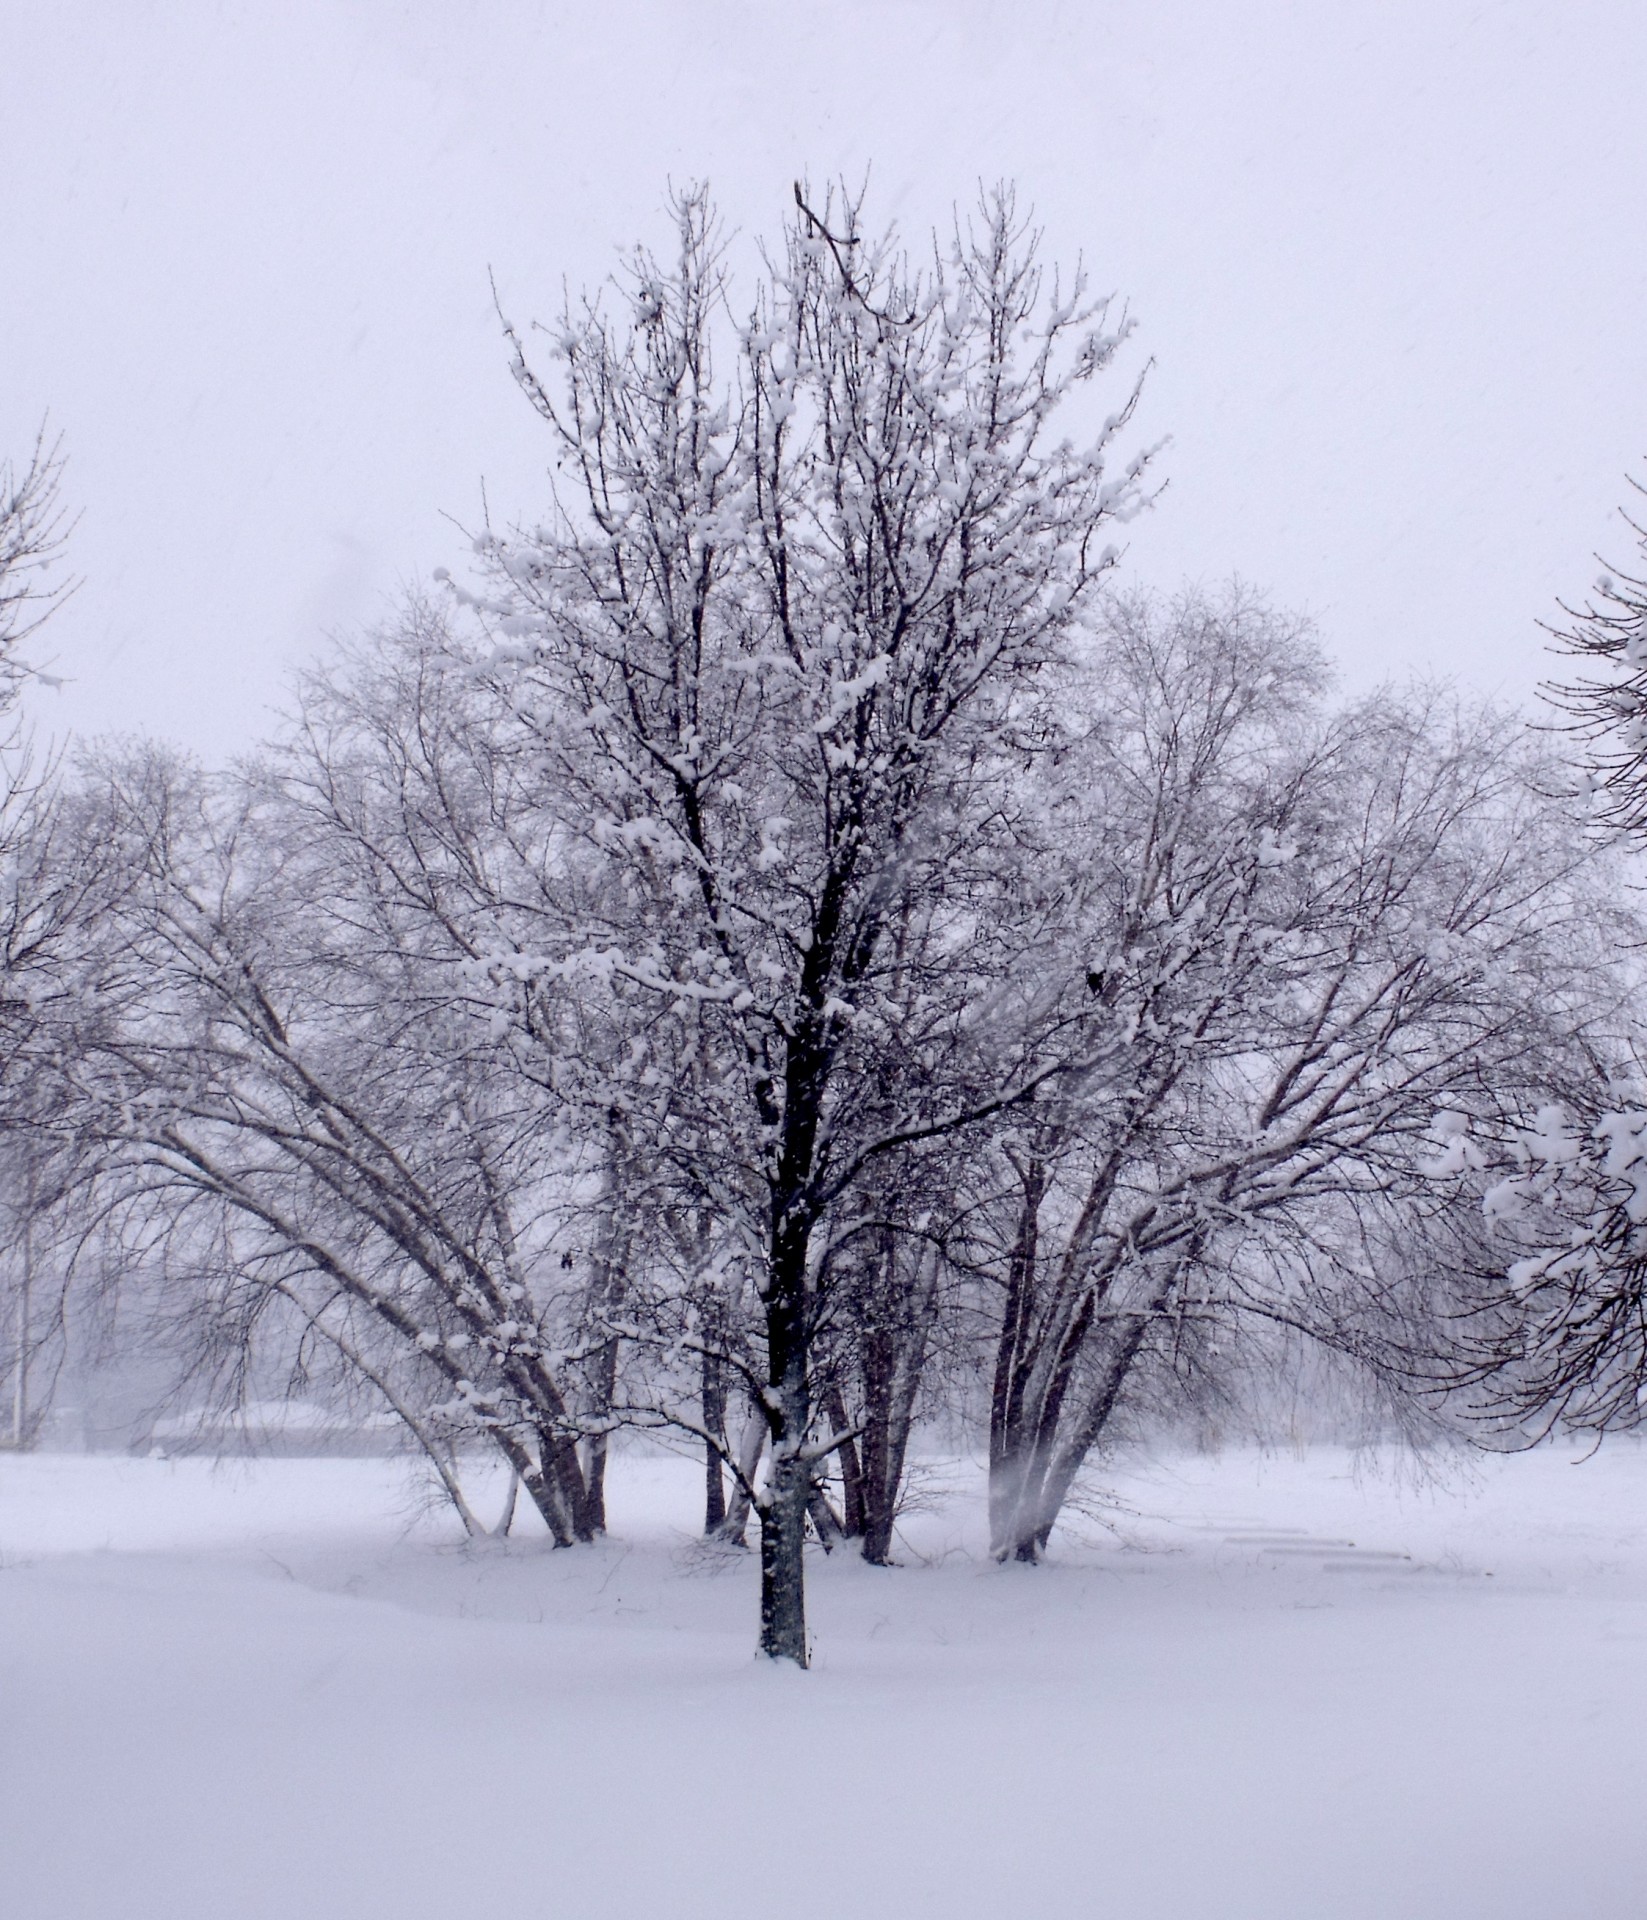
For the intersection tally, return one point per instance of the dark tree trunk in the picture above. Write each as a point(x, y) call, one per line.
point(788, 1299)
point(892, 1314)
point(788, 1486)
point(567, 1488)
point(1013, 1358)
point(555, 1481)
point(608, 1289)
point(783, 1572)
point(879, 1349)
point(824, 1521)
point(605, 1382)
point(877, 1547)
point(882, 1507)
point(544, 1491)
point(714, 1424)
point(595, 1482)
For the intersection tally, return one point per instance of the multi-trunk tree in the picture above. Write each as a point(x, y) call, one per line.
point(785, 635)
point(306, 1106)
point(1306, 930)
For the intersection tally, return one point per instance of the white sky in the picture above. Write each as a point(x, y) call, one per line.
point(1387, 258)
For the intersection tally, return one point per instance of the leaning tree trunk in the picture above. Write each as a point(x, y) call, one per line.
point(1057, 1430)
point(1100, 1400)
point(894, 1360)
point(751, 1445)
point(1024, 1434)
point(1044, 1332)
point(558, 1489)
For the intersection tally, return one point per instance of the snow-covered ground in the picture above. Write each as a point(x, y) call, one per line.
point(1287, 1687)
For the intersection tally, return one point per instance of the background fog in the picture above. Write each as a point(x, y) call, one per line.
point(1383, 257)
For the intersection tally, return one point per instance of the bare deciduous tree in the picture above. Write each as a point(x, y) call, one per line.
point(1307, 930)
point(34, 529)
point(43, 888)
point(302, 1093)
point(1552, 1257)
point(778, 637)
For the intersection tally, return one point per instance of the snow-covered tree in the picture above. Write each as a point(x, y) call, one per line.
point(1304, 929)
point(34, 529)
point(785, 948)
point(1606, 702)
point(306, 1102)
point(1552, 1311)
point(44, 888)
point(783, 638)
point(1555, 1312)
point(54, 880)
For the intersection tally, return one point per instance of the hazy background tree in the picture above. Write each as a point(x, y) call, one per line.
point(306, 1116)
point(35, 524)
point(40, 894)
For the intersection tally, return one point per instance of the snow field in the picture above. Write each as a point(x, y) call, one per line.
point(1281, 1687)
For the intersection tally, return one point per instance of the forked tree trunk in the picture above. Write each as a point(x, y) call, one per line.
point(1035, 1464)
point(558, 1489)
point(544, 1492)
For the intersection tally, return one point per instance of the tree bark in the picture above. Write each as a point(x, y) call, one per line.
point(714, 1423)
point(788, 1486)
point(594, 1448)
point(1011, 1358)
point(1046, 1453)
point(783, 1578)
point(558, 1490)
point(852, 1498)
point(604, 1384)
point(894, 1360)
point(751, 1445)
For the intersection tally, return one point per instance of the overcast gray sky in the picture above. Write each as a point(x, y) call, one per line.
point(1387, 258)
